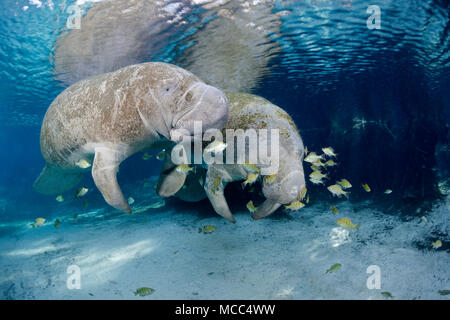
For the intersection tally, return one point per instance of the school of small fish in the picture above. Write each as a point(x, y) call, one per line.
point(319, 162)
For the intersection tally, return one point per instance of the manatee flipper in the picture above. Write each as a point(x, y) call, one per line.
point(53, 180)
point(170, 180)
point(104, 170)
point(216, 195)
point(267, 208)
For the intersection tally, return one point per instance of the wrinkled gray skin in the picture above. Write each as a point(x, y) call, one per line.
point(231, 51)
point(246, 111)
point(107, 118)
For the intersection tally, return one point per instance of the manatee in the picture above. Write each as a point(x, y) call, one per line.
point(246, 112)
point(107, 118)
point(230, 50)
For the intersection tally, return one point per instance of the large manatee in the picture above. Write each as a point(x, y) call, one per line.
point(246, 112)
point(230, 49)
point(107, 118)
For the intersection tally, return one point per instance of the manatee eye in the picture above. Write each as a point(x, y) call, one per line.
point(167, 89)
point(188, 96)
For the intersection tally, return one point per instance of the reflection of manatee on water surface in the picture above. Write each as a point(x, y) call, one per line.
point(113, 34)
point(231, 51)
point(107, 118)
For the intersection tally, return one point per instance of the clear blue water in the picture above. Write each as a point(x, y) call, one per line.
point(380, 97)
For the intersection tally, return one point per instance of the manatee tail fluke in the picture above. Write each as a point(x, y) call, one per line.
point(267, 208)
point(53, 180)
point(104, 170)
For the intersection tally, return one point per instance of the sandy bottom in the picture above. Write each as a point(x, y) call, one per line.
point(281, 257)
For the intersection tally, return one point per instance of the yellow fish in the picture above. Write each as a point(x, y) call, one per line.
point(336, 190)
point(38, 222)
point(307, 198)
point(60, 198)
point(184, 168)
point(333, 268)
point(316, 181)
point(437, 244)
point(302, 194)
point(81, 192)
point(207, 229)
point(330, 163)
point(388, 191)
point(366, 187)
point(251, 178)
point(318, 164)
point(216, 147)
point(57, 223)
point(251, 207)
point(249, 167)
point(306, 151)
point(344, 183)
point(270, 179)
point(313, 157)
point(216, 184)
point(387, 294)
point(329, 152)
point(335, 210)
point(201, 180)
point(316, 175)
point(144, 291)
point(146, 156)
point(315, 168)
point(294, 206)
point(347, 223)
point(161, 155)
point(83, 164)
point(130, 200)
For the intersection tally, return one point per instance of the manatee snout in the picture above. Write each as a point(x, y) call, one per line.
point(288, 189)
point(208, 107)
